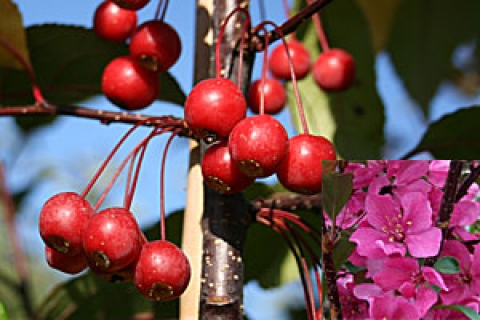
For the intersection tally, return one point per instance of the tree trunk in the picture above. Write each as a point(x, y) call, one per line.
point(218, 287)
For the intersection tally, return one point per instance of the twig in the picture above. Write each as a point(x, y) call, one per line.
point(467, 183)
point(287, 202)
point(19, 258)
point(289, 26)
point(105, 117)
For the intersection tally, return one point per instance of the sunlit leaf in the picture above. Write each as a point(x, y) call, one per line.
point(69, 62)
point(380, 16)
point(12, 34)
point(454, 136)
point(423, 38)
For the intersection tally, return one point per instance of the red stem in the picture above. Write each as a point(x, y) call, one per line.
point(320, 31)
point(218, 67)
point(264, 74)
point(301, 112)
point(36, 92)
point(162, 185)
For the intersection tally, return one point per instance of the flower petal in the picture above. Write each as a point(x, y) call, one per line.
point(424, 244)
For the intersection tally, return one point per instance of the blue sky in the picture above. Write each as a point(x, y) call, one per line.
point(78, 146)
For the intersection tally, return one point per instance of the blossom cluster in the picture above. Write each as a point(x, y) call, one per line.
point(392, 218)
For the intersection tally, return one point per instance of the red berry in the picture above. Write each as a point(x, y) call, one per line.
point(258, 144)
point(128, 85)
point(131, 4)
point(156, 45)
point(220, 172)
point(162, 271)
point(114, 23)
point(214, 107)
point(334, 70)
point(275, 96)
point(112, 240)
point(62, 221)
point(280, 66)
point(68, 264)
point(301, 169)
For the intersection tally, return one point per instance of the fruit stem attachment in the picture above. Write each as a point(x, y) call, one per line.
point(322, 37)
point(218, 67)
point(160, 13)
point(36, 92)
point(300, 109)
point(162, 184)
point(264, 73)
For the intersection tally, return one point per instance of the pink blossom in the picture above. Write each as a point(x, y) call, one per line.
point(412, 281)
point(438, 171)
point(389, 306)
point(466, 283)
point(392, 229)
point(352, 307)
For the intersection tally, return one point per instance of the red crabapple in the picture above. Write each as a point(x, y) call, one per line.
point(279, 65)
point(112, 240)
point(162, 272)
point(67, 264)
point(214, 107)
point(220, 172)
point(131, 4)
point(275, 96)
point(114, 23)
point(62, 220)
point(128, 85)
point(301, 169)
point(257, 145)
point(155, 45)
point(334, 70)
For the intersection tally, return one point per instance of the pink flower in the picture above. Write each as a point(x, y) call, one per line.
point(352, 307)
point(392, 229)
point(388, 306)
point(412, 281)
point(466, 283)
point(438, 171)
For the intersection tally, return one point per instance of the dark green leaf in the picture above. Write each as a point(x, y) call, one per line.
point(30, 123)
point(353, 119)
point(469, 312)
point(264, 254)
point(343, 249)
point(257, 190)
point(12, 33)
point(68, 62)
point(447, 265)
point(424, 35)
point(454, 136)
point(336, 190)
point(89, 297)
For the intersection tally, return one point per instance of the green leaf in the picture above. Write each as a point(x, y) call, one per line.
point(3, 312)
point(352, 119)
point(447, 265)
point(342, 251)
point(423, 38)
point(68, 62)
point(12, 34)
point(336, 190)
point(454, 136)
point(265, 253)
point(469, 312)
point(89, 297)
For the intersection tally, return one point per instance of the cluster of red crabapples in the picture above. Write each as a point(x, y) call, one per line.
point(246, 148)
point(110, 242)
point(132, 82)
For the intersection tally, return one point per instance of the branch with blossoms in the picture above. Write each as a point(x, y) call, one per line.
point(413, 252)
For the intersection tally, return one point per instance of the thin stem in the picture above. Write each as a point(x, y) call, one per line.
point(320, 31)
point(105, 117)
point(301, 112)
point(36, 92)
point(19, 258)
point(164, 10)
point(158, 10)
point(264, 75)
point(162, 185)
point(218, 67)
point(467, 183)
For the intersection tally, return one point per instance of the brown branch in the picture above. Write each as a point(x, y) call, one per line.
point(467, 183)
point(105, 117)
point(289, 26)
point(19, 258)
point(287, 201)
